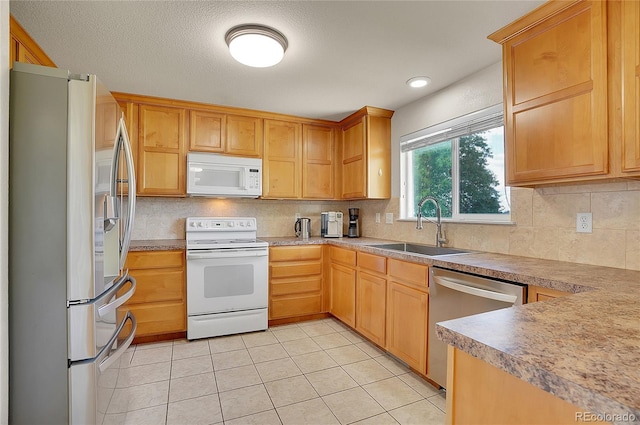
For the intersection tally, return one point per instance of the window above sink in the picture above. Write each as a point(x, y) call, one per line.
point(460, 162)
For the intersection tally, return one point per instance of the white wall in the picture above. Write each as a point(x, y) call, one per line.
point(478, 91)
point(4, 184)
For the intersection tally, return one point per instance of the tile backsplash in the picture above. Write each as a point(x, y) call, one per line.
point(544, 222)
point(164, 218)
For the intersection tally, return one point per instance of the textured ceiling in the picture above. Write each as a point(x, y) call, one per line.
point(342, 55)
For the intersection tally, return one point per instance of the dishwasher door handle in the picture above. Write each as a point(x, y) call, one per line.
point(472, 290)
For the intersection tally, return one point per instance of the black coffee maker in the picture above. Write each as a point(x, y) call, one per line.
point(354, 227)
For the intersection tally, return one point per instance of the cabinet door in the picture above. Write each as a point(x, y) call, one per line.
point(354, 162)
point(407, 325)
point(281, 165)
point(538, 293)
point(378, 157)
point(371, 302)
point(343, 294)
point(631, 86)
point(244, 136)
point(318, 164)
point(556, 97)
point(207, 131)
point(161, 156)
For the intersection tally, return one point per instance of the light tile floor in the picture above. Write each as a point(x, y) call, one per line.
point(317, 372)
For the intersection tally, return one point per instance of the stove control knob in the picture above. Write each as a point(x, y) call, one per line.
point(241, 224)
point(200, 224)
point(231, 224)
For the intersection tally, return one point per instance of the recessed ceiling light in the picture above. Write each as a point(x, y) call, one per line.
point(417, 82)
point(258, 46)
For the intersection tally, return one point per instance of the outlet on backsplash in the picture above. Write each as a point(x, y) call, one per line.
point(388, 218)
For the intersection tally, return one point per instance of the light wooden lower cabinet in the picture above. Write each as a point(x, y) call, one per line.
point(538, 293)
point(343, 293)
point(295, 281)
point(481, 394)
point(407, 324)
point(371, 297)
point(159, 303)
point(371, 303)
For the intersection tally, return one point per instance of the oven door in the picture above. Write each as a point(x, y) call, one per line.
point(227, 280)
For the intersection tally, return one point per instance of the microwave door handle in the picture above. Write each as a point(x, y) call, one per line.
point(471, 290)
point(123, 139)
point(243, 179)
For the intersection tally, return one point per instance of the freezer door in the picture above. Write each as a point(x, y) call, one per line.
point(92, 324)
point(93, 382)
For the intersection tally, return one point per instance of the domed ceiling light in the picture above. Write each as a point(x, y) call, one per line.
point(417, 82)
point(254, 45)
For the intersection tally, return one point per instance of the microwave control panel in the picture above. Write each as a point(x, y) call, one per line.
point(254, 178)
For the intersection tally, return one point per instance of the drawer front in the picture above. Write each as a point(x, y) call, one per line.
point(158, 318)
point(417, 274)
point(280, 270)
point(344, 256)
point(155, 259)
point(295, 306)
point(295, 253)
point(374, 263)
point(295, 286)
point(158, 285)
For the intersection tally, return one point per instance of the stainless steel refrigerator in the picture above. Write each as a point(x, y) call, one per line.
point(71, 211)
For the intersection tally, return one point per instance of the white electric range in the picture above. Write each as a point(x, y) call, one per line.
point(227, 277)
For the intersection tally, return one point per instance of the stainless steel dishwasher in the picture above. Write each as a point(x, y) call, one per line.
point(453, 295)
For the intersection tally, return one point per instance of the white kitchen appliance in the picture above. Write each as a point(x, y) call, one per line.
point(215, 175)
point(331, 223)
point(69, 235)
point(227, 277)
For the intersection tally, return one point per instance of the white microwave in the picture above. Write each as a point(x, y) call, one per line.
point(214, 175)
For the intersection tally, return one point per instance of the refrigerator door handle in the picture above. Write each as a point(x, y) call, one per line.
point(106, 358)
point(106, 309)
point(123, 140)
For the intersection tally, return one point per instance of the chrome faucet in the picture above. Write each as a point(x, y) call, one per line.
point(440, 239)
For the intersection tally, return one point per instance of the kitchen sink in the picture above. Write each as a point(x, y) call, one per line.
point(428, 250)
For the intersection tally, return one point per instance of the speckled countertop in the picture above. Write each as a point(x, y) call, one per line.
point(584, 348)
point(157, 245)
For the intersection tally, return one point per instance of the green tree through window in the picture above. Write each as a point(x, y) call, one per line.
point(478, 184)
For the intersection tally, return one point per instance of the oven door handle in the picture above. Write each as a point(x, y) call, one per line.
point(227, 253)
point(472, 290)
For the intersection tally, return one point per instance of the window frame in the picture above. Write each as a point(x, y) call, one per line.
point(407, 200)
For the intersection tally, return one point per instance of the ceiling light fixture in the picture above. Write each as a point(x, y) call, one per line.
point(417, 82)
point(258, 46)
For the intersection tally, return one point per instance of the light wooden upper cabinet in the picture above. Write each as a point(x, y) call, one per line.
point(298, 160)
point(631, 86)
point(318, 162)
point(572, 92)
point(161, 150)
point(22, 48)
point(282, 161)
point(366, 154)
point(207, 131)
point(556, 93)
point(244, 136)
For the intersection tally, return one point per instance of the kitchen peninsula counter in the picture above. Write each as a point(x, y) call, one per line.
point(583, 348)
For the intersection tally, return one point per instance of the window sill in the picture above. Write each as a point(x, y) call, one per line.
point(449, 220)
